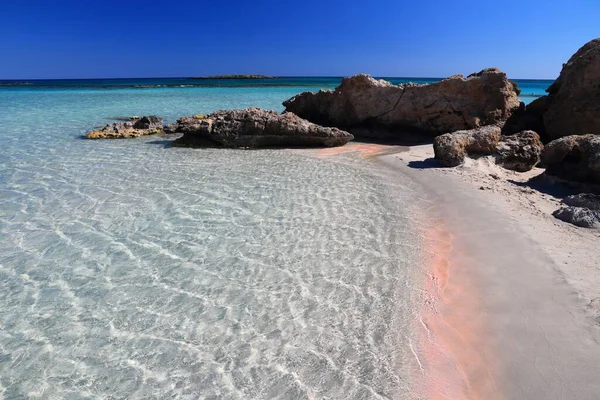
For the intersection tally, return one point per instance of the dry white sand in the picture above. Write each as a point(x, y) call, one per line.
point(523, 315)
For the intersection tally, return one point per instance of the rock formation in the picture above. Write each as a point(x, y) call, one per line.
point(519, 152)
point(581, 210)
point(451, 148)
point(528, 117)
point(252, 128)
point(370, 107)
point(574, 98)
point(574, 158)
point(150, 125)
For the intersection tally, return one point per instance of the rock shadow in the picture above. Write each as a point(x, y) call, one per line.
point(551, 186)
point(425, 164)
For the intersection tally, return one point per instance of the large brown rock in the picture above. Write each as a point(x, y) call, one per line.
point(253, 128)
point(574, 158)
point(519, 152)
point(574, 98)
point(150, 125)
point(370, 107)
point(451, 148)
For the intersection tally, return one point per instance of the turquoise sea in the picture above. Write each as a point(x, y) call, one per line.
point(130, 269)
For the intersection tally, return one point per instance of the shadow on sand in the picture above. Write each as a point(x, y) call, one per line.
point(551, 186)
point(424, 164)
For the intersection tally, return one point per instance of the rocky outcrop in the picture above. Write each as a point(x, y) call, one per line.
point(528, 117)
point(151, 122)
point(574, 98)
point(581, 210)
point(519, 152)
point(370, 107)
point(150, 125)
point(253, 128)
point(574, 158)
point(451, 148)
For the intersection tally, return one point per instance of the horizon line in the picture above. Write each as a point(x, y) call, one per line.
point(269, 77)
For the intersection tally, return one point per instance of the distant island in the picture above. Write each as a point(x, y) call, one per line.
point(234, 77)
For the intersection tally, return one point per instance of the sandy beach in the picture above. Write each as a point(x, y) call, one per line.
point(515, 311)
point(520, 295)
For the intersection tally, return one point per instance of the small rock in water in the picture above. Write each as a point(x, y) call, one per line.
point(149, 125)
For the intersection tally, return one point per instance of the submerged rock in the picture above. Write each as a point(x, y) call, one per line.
point(150, 125)
point(451, 148)
point(519, 152)
point(574, 158)
point(253, 128)
point(574, 98)
point(377, 108)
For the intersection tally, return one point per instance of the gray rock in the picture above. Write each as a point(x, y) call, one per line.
point(252, 128)
point(371, 107)
point(585, 200)
point(580, 216)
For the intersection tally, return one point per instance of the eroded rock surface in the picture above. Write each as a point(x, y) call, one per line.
point(574, 158)
point(574, 98)
point(253, 128)
point(519, 152)
point(451, 148)
point(371, 107)
point(581, 210)
point(150, 125)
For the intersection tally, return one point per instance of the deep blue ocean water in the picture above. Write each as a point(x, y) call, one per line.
point(131, 269)
point(530, 88)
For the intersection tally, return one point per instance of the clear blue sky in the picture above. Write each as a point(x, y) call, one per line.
point(417, 38)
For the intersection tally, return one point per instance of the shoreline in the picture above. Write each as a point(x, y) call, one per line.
point(534, 334)
point(513, 312)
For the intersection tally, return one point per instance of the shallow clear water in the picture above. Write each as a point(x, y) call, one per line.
point(129, 269)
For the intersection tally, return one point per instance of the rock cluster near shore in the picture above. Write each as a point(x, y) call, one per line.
point(480, 115)
point(452, 148)
point(375, 108)
point(141, 126)
point(520, 152)
point(253, 128)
